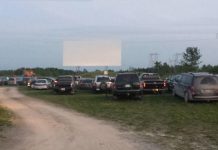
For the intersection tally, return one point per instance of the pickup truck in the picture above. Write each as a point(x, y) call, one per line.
point(65, 84)
point(153, 83)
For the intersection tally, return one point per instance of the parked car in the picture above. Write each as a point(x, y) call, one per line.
point(101, 83)
point(127, 84)
point(1, 81)
point(51, 81)
point(65, 84)
point(4, 81)
point(12, 81)
point(19, 80)
point(153, 83)
point(85, 83)
point(41, 84)
point(197, 86)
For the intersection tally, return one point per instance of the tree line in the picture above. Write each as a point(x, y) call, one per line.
point(190, 63)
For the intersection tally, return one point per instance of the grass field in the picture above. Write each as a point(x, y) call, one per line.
point(5, 119)
point(161, 119)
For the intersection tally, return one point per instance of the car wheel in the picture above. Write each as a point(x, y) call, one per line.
point(72, 91)
point(140, 96)
point(114, 97)
point(174, 93)
point(186, 97)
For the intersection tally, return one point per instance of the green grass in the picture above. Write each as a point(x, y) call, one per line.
point(162, 119)
point(5, 119)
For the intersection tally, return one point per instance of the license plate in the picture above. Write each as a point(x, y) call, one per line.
point(127, 86)
point(62, 89)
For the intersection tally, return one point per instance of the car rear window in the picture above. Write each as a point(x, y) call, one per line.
point(11, 79)
point(127, 78)
point(206, 81)
point(103, 79)
point(88, 81)
point(150, 76)
point(41, 81)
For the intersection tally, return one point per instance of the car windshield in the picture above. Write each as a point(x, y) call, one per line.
point(103, 79)
point(65, 79)
point(41, 81)
point(206, 81)
point(127, 78)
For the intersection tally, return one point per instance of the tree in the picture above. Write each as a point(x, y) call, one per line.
point(191, 59)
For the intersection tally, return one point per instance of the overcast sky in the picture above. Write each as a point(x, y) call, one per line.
point(32, 32)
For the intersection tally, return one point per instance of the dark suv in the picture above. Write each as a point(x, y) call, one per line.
point(197, 86)
point(127, 84)
point(65, 84)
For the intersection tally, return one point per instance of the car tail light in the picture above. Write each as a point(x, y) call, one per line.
point(144, 85)
point(165, 83)
point(141, 86)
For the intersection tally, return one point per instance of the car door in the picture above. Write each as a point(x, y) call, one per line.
point(176, 85)
point(185, 85)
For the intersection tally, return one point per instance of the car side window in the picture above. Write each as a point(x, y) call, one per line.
point(182, 80)
point(186, 80)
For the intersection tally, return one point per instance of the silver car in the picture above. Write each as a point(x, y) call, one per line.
point(101, 83)
point(41, 84)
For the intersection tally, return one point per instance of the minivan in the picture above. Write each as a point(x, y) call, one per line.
point(196, 86)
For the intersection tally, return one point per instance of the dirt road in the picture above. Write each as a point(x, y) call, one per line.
point(44, 126)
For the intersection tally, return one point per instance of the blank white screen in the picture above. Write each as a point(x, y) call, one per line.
point(92, 53)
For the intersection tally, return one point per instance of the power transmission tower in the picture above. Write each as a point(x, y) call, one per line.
point(153, 59)
point(77, 69)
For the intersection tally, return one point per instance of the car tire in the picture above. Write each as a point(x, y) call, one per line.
point(186, 97)
point(174, 93)
point(72, 92)
point(140, 96)
point(103, 86)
